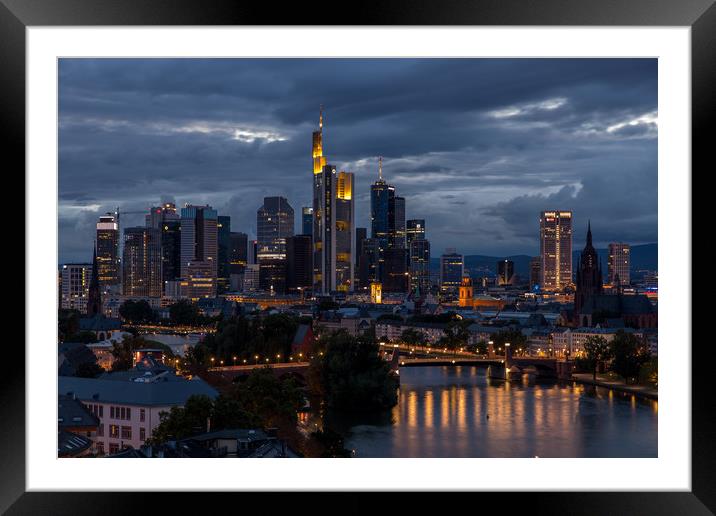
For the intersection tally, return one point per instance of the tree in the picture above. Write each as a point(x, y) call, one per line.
point(596, 350)
point(262, 400)
point(515, 337)
point(481, 348)
point(136, 312)
point(327, 304)
point(413, 337)
point(185, 313)
point(456, 334)
point(274, 402)
point(85, 337)
point(181, 422)
point(88, 370)
point(350, 375)
point(628, 353)
point(68, 323)
point(649, 372)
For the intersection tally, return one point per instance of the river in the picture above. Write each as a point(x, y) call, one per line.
point(458, 412)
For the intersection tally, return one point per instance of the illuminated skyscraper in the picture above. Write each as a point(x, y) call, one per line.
point(420, 264)
point(414, 228)
point(452, 269)
point(94, 297)
point(142, 262)
point(199, 243)
point(396, 222)
point(619, 263)
point(167, 220)
point(223, 230)
point(274, 224)
point(382, 196)
point(333, 223)
point(76, 278)
point(108, 250)
point(238, 252)
point(556, 250)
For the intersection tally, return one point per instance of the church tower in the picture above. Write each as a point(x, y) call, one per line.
point(466, 292)
point(589, 275)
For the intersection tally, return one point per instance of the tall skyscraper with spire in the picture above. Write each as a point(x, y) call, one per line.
point(589, 274)
point(333, 222)
point(382, 198)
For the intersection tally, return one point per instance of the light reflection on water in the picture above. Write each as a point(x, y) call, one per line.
point(458, 412)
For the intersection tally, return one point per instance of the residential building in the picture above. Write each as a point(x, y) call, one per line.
point(128, 404)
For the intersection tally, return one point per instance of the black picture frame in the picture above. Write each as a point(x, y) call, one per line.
point(17, 15)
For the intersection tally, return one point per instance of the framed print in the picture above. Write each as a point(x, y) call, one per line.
point(417, 250)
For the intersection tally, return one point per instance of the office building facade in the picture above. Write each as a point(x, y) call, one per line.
point(307, 220)
point(556, 250)
point(199, 242)
point(452, 269)
point(274, 224)
point(419, 267)
point(619, 264)
point(142, 262)
point(75, 282)
point(299, 275)
point(108, 263)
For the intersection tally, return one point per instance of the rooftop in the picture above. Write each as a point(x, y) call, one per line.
point(158, 393)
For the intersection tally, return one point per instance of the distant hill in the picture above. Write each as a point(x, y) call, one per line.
point(644, 256)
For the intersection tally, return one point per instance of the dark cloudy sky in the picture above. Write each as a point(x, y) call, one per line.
point(477, 146)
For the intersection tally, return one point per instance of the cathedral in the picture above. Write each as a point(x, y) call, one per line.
point(593, 307)
point(589, 274)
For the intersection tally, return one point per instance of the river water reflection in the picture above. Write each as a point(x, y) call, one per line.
point(458, 412)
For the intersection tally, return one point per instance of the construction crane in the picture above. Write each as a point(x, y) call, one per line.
point(116, 213)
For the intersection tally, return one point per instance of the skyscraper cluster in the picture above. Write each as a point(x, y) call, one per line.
point(193, 253)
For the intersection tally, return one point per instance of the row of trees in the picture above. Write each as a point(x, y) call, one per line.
point(182, 313)
point(626, 355)
point(243, 337)
point(261, 400)
point(347, 373)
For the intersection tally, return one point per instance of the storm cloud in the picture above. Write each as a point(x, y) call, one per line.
point(477, 146)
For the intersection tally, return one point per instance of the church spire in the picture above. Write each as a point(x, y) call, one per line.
point(589, 233)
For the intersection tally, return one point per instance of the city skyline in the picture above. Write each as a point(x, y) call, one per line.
point(578, 120)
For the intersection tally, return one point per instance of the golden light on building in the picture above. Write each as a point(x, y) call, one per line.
point(466, 292)
point(376, 292)
point(344, 186)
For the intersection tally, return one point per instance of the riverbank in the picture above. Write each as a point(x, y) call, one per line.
point(617, 385)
